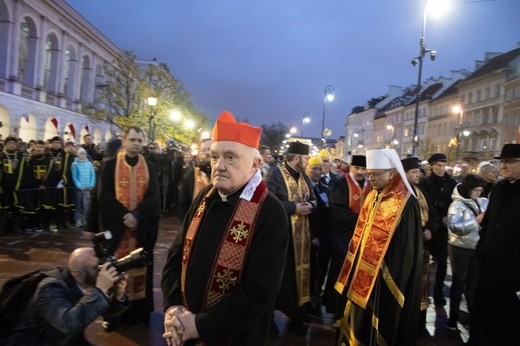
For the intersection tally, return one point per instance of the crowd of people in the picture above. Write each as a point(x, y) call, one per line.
point(303, 235)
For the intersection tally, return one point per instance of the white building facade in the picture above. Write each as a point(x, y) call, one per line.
point(51, 60)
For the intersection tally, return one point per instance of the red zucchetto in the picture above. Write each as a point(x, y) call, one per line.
point(227, 129)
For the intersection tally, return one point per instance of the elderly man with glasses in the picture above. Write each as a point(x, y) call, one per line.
point(496, 317)
point(381, 274)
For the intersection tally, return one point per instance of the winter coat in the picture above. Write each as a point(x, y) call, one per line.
point(463, 228)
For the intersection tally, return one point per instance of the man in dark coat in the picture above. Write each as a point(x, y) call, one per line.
point(129, 207)
point(496, 317)
point(224, 270)
point(90, 148)
point(439, 187)
point(381, 275)
point(429, 223)
point(294, 189)
point(346, 199)
point(195, 178)
point(328, 177)
point(10, 163)
point(58, 196)
point(321, 234)
point(67, 301)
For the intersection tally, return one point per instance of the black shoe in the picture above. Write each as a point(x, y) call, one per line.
point(108, 325)
point(439, 302)
point(452, 325)
point(299, 329)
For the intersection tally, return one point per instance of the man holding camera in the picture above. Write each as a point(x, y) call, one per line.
point(224, 270)
point(129, 207)
point(68, 300)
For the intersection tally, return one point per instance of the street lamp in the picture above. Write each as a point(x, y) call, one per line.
point(175, 115)
point(458, 109)
point(328, 95)
point(419, 60)
point(293, 130)
point(305, 120)
point(152, 102)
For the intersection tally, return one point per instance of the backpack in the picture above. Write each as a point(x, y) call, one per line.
point(15, 296)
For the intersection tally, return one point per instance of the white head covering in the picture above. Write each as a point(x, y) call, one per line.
point(387, 159)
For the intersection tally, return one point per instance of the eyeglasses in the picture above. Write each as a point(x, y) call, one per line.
point(509, 161)
point(376, 174)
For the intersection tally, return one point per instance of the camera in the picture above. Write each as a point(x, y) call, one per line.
point(433, 54)
point(135, 259)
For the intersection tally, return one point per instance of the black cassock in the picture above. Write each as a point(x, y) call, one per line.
point(244, 316)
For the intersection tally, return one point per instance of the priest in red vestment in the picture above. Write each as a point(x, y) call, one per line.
point(381, 274)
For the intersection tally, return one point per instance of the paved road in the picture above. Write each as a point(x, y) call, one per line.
point(21, 253)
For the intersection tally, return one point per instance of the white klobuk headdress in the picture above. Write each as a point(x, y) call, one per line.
point(387, 159)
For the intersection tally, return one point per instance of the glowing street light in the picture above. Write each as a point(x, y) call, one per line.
point(175, 115)
point(305, 120)
point(328, 95)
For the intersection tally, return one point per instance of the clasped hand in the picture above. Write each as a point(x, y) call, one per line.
point(179, 326)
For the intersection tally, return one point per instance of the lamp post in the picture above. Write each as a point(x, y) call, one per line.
point(458, 109)
point(152, 102)
point(305, 120)
point(419, 60)
point(328, 95)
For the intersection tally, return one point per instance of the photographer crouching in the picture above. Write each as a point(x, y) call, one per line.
point(68, 300)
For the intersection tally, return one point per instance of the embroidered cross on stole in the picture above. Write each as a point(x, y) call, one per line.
point(357, 194)
point(228, 267)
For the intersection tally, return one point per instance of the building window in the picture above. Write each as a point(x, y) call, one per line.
point(497, 90)
point(483, 145)
point(470, 97)
point(509, 95)
point(517, 93)
point(479, 95)
point(487, 95)
point(493, 144)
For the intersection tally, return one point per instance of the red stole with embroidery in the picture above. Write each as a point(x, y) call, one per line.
point(228, 267)
point(131, 184)
point(380, 215)
point(356, 194)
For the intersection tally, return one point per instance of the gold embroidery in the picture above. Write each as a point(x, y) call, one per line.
point(239, 232)
point(226, 279)
point(39, 171)
point(389, 207)
point(392, 286)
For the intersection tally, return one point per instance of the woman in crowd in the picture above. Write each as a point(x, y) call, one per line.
point(464, 217)
point(489, 172)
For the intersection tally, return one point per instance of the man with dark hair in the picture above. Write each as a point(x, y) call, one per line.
point(33, 170)
point(267, 158)
point(429, 223)
point(10, 161)
point(225, 268)
point(196, 178)
point(67, 301)
point(439, 187)
point(90, 147)
point(496, 316)
point(58, 196)
point(129, 207)
point(294, 189)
